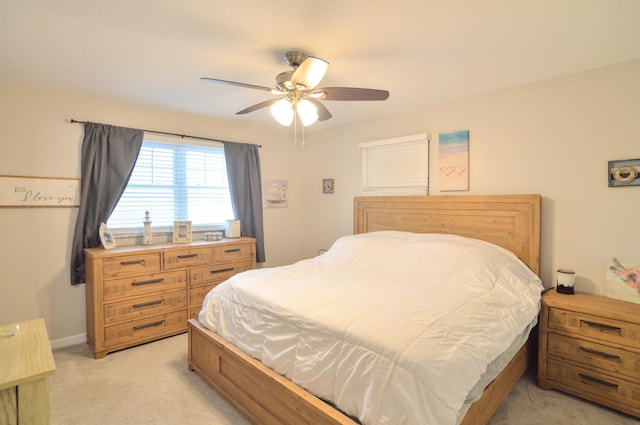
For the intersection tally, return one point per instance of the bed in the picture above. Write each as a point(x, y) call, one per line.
point(266, 397)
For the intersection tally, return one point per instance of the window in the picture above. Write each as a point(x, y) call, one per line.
point(175, 181)
point(397, 166)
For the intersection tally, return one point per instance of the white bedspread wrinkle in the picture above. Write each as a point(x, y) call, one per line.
point(392, 327)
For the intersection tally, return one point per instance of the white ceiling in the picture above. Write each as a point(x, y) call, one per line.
point(424, 52)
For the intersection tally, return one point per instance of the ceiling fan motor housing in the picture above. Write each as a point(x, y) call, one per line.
point(283, 81)
point(294, 58)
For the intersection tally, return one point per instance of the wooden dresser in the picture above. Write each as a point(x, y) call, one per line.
point(137, 294)
point(590, 347)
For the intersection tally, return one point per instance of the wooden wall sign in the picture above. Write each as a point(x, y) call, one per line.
point(23, 191)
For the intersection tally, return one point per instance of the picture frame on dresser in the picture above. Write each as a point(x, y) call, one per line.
point(106, 237)
point(181, 231)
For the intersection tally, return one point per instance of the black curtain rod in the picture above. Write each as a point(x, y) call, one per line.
point(170, 134)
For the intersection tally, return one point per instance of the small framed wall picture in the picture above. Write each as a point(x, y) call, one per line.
point(106, 237)
point(327, 185)
point(181, 231)
point(624, 172)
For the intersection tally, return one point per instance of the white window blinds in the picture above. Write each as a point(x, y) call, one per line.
point(175, 182)
point(397, 166)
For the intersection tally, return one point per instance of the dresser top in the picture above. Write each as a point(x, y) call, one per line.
point(26, 356)
point(136, 249)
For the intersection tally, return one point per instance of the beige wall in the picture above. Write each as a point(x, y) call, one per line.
point(553, 138)
point(36, 139)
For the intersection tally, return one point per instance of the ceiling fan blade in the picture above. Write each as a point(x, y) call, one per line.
point(323, 112)
point(233, 83)
point(258, 106)
point(310, 72)
point(351, 93)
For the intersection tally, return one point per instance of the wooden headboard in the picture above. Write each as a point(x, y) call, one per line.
point(510, 221)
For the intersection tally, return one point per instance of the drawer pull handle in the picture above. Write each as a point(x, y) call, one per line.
point(131, 262)
point(183, 256)
point(229, 269)
point(147, 282)
point(228, 251)
point(149, 325)
point(592, 380)
point(601, 326)
point(148, 304)
point(600, 354)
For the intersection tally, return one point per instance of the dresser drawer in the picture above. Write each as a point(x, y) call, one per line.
point(145, 284)
point(233, 252)
point(594, 355)
point(127, 265)
point(147, 329)
point(196, 298)
point(217, 273)
point(599, 384)
point(609, 330)
point(186, 258)
point(140, 307)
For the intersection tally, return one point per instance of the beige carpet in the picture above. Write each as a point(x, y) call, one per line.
point(151, 384)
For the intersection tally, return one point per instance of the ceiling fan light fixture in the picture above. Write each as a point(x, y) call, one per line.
point(282, 111)
point(310, 72)
point(307, 112)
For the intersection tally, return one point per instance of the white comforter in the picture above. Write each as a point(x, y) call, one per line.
point(392, 327)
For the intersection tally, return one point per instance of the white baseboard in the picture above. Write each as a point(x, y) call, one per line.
point(68, 341)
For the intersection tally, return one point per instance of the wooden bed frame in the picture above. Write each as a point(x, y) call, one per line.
point(267, 398)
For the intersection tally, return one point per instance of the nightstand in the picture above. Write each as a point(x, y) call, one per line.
point(589, 347)
point(26, 363)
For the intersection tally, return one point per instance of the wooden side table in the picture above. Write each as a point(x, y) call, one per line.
point(590, 347)
point(26, 363)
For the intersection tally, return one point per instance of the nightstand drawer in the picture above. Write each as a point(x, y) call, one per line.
point(601, 328)
point(595, 355)
point(598, 384)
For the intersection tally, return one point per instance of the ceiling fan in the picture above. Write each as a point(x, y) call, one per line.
point(298, 92)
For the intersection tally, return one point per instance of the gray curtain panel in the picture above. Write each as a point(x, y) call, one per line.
point(245, 185)
point(109, 154)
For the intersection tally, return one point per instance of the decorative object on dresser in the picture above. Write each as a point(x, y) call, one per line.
point(25, 369)
point(106, 237)
point(148, 236)
point(565, 278)
point(623, 279)
point(181, 231)
point(137, 294)
point(589, 346)
point(232, 229)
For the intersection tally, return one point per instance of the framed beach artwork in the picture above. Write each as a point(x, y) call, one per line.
point(453, 160)
point(276, 193)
